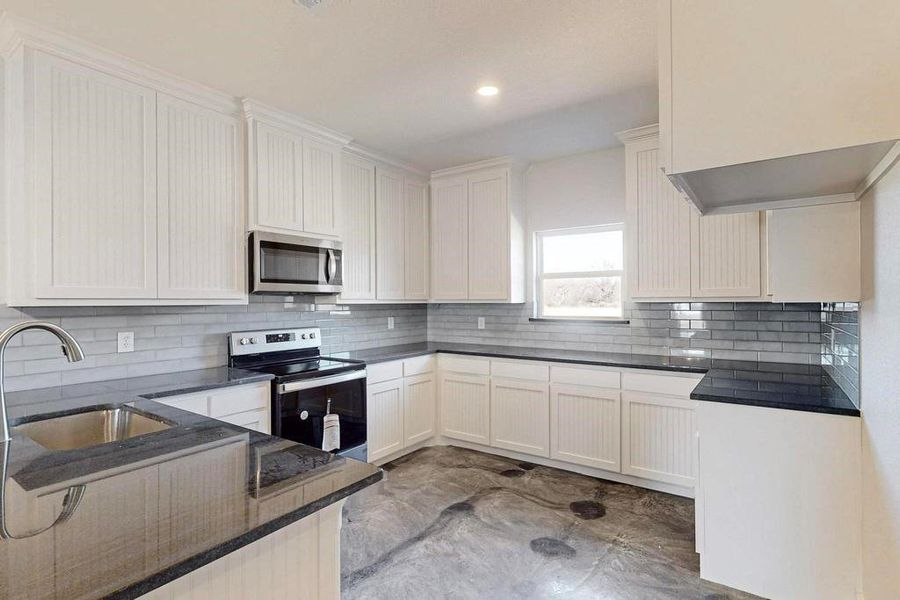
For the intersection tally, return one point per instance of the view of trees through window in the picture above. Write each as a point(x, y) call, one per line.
point(580, 272)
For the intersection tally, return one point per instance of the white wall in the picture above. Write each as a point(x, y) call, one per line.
point(573, 191)
point(880, 388)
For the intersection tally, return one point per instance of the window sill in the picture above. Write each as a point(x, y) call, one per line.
point(589, 321)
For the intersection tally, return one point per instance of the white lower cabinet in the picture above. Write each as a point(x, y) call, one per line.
point(384, 418)
point(418, 408)
point(520, 415)
point(243, 405)
point(585, 423)
point(466, 407)
point(658, 437)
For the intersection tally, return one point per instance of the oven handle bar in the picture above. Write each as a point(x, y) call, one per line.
point(286, 388)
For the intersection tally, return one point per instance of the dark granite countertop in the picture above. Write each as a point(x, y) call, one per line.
point(224, 487)
point(771, 385)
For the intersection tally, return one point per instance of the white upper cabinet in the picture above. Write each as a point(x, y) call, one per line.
point(200, 205)
point(358, 221)
point(477, 233)
point(390, 234)
point(773, 115)
point(449, 239)
point(416, 252)
point(94, 185)
point(675, 253)
point(294, 173)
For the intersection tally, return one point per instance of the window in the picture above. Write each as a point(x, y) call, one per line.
point(579, 273)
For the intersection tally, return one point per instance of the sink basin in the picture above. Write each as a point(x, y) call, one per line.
point(92, 428)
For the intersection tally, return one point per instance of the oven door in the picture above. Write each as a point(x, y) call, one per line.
point(290, 264)
point(300, 406)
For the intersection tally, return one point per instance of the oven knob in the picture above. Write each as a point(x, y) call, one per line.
point(254, 340)
point(244, 341)
point(304, 415)
point(312, 336)
point(303, 336)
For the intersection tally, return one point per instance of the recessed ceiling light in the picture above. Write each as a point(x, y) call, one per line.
point(488, 90)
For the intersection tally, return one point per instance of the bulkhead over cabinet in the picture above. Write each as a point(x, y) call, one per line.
point(122, 187)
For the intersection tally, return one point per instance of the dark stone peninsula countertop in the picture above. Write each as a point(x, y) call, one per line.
point(157, 506)
point(771, 385)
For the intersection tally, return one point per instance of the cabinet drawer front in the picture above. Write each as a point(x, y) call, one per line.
point(239, 399)
point(384, 371)
point(672, 385)
point(195, 403)
point(257, 420)
point(418, 365)
point(532, 370)
point(585, 376)
point(459, 364)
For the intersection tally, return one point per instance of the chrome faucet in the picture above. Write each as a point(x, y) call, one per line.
point(70, 348)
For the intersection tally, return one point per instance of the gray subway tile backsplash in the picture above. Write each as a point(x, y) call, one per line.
point(840, 345)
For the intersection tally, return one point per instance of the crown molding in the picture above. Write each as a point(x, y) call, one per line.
point(638, 133)
point(361, 151)
point(256, 110)
point(15, 32)
point(504, 161)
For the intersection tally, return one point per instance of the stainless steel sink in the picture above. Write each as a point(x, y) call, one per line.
point(92, 428)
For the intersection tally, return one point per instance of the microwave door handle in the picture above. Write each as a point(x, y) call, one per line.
point(330, 266)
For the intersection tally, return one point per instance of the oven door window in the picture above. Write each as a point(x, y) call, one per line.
point(303, 413)
point(288, 263)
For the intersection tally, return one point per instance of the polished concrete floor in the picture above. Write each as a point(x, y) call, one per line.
point(458, 524)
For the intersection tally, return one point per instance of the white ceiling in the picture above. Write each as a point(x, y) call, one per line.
point(400, 75)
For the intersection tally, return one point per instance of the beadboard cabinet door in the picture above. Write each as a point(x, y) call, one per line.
point(278, 169)
point(585, 424)
point(390, 212)
point(384, 418)
point(321, 187)
point(659, 437)
point(416, 240)
point(94, 182)
point(466, 407)
point(449, 243)
point(488, 235)
point(358, 222)
point(520, 415)
point(658, 227)
point(419, 400)
point(726, 255)
point(201, 206)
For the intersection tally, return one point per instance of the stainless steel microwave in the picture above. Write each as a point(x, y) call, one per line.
point(288, 264)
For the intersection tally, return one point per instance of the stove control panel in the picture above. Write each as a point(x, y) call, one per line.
point(241, 343)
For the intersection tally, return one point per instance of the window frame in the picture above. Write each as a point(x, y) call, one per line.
point(540, 276)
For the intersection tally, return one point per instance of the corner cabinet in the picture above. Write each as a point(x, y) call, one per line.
point(478, 233)
point(124, 187)
point(294, 173)
point(385, 232)
point(673, 251)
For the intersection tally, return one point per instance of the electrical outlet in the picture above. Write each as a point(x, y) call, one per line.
point(390, 322)
point(125, 341)
point(480, 322)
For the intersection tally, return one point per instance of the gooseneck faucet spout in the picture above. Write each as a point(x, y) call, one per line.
point(70, 348)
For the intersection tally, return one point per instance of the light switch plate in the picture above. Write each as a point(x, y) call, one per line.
point(390, 322)
point(480, 322)
point(125, 341)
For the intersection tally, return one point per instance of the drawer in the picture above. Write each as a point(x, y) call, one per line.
point(418, 365)
point(257, 420)
point(586, 376)
point(384, 371)
point(238, 399)
point(195, 403)
point(463, 364)
point(531, 370)
point(670, 385)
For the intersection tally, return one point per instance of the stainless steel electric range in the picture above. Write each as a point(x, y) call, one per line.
point(305, 384)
